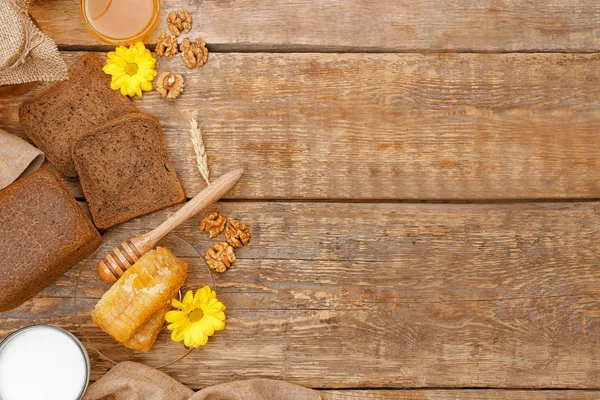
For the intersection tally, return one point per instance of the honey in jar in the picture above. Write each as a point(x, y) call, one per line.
point(120, 22)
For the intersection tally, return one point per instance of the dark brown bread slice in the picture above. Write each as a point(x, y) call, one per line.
point(43, 233)
point(56, 117)
point(125, 170)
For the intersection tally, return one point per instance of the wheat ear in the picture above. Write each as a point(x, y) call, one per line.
point(199, 149)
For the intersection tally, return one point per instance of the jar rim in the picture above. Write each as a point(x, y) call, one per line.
point(144, 33)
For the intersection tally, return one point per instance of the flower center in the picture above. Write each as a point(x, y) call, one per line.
point(131, 69)
point(196, 315)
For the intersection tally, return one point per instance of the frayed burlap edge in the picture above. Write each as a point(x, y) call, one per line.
point(42, 61)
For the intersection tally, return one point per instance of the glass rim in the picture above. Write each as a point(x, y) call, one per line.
point(86, 358)
point(145, 32)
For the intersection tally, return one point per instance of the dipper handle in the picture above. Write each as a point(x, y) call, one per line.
point(117, 261)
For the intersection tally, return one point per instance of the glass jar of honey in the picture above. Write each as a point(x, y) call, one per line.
point(120, 22)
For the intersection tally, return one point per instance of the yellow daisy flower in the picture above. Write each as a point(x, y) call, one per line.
point(132, 69)
point(198, 317)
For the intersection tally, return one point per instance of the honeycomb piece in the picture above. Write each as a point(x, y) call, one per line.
point(140, 294)
point(146, 335)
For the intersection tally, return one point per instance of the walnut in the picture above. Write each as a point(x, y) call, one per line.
point(220, 257)
point(213, 222)
point(189, 58)
point(169, 85)
point(237, 233)
point(179, 21)
point(166, 45)
point(194, 54)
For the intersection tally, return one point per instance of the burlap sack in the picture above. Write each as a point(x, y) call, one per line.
point(17, 157)
point(133, 381)
point(26, 54)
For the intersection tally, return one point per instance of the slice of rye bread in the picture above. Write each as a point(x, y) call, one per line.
point(56, 117)
point(125, 170)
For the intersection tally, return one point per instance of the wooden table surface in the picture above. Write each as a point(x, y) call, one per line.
point(422, 185)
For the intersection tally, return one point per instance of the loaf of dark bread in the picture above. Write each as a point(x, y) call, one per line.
point(57, 116)
point(125, 170)
point(43, 233)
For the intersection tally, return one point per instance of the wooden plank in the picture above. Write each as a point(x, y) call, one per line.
point(351, 25)
point(474, 394)
point(384, 126)
point(378, 251)
point(394, 295)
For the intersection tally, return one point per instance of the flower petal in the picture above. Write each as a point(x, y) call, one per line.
point(176, 303)
point(206, 292)
point(197, 299)
point(135, 82)
point(189, 337)
point(116, 60)
point(189, 297)
point(140, 46)
point(146, 85)
point(178, 335)
point(202, 304)
point(206, 327)
point(215, 304)
point(117, 82)
point(146, 64)
point(215, 323)
point(144, 76)
point(120, 51)
point(175, 316)
point(125, 87)
point(178, 325)
point(113, 69)
point(218, 314)
point(200, 338)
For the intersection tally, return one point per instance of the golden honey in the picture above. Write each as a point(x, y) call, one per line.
point(120, 22)
point(143, 292)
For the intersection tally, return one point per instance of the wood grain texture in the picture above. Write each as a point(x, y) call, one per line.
point(351, 25)
point(382, 126)
point(474, 394)
point(365, 296)
point(394, 295)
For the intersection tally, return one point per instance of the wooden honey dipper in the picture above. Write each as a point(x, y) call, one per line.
point(120, 258)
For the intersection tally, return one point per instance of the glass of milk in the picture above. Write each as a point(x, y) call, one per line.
point(42, 362)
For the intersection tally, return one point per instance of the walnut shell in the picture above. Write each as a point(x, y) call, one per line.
point(220, 257)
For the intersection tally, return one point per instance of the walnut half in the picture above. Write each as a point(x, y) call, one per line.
point(213, 222)
point(194, 54)
point(179, 21)
point(237, 233)
point(169, 85)
point(166, 45)
point(220, 257)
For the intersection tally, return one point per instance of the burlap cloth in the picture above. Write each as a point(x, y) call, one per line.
point(17, 157)
point(133, 381)
point(26, 54)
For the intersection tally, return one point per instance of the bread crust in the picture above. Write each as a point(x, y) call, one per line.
point(58, 115)
point(125, 170)
point(44, 233)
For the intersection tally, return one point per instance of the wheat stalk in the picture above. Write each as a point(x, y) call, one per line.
point(199, 149)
